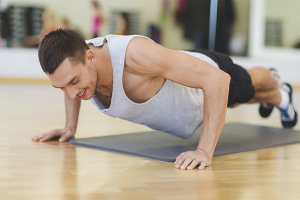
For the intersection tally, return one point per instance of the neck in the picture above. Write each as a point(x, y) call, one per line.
point(104, 71)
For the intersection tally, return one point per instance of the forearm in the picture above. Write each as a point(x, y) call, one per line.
point(72, 112)
point(215, 106)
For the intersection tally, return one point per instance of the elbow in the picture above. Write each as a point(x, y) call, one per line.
point(224, 78)
point(227, 78)
point(218, 81)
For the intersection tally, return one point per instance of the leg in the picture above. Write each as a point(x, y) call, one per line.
point(268, 93)
point(266, 86)
point(272, 97)
point(262, 79)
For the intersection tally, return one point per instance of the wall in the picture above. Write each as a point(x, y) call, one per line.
point(20, 63)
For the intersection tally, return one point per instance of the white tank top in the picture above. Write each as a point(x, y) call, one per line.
point(175, 109)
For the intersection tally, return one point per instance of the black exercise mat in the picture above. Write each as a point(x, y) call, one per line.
point(162, 146)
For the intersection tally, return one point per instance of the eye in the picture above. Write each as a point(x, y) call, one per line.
point(75, 82)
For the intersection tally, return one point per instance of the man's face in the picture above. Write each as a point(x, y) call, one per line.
point(76, 80)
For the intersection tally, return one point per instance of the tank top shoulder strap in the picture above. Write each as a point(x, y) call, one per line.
point(97, 42)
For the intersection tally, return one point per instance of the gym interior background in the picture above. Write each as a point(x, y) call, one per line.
point(253, 32)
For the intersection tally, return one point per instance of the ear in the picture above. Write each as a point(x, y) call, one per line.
point(90, 57)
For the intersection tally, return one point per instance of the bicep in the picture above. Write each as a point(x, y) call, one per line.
point(145, 57)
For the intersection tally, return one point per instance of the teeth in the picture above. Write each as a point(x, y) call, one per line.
point(82, 94)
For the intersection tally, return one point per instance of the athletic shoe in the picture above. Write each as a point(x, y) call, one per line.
point(289, 116)
point(266, 109)
point(275, 73)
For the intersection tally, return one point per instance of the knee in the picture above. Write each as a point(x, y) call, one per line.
point(262, 78)
point(270, 80)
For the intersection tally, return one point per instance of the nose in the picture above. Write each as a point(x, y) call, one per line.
point(72, 92)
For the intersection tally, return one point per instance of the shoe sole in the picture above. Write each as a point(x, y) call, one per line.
point(290, 124)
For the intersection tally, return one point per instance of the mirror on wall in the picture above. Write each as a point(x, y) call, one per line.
point(274, 29)
point(176, 24)
point(282, 23)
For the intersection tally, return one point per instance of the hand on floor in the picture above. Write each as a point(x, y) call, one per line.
point(64, 135)
point(190, 159)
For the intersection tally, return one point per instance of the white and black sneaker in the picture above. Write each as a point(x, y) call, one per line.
point(289, 116)
point(266, 109)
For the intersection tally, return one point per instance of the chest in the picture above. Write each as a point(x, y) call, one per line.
point(139, 88)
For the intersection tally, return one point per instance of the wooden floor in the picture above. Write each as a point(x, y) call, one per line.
point(30, 170)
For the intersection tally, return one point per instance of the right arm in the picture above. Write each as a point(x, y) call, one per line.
point(67, 133)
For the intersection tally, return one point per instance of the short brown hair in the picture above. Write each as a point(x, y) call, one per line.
point(59, 45)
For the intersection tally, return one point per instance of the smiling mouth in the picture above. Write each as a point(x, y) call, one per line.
point(84, 93)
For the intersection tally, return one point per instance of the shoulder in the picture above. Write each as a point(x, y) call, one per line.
point(138, 40)
point(136, 46)
point(141, 56)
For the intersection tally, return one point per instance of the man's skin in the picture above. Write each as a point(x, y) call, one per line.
point(147, 66)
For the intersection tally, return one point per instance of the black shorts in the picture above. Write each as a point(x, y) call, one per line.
point(241, 89)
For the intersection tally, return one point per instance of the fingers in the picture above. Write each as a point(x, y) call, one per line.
point(50, 135)
point(193, 164)
point(186, 163)
point(37, 138)
point(179, 160)
point(47, 136)
point(202, 166)
point(183, 160)
point(66, 137)
point(189, 160)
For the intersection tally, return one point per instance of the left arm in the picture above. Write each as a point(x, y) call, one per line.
point(215, 106)
point(147, 58)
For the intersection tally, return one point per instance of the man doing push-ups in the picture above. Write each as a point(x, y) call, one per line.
point(133, 78)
